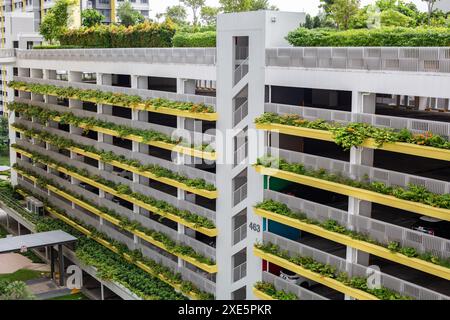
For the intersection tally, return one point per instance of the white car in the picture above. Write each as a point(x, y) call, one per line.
point(294, 278)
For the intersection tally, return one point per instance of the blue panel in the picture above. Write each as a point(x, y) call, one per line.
point(284, 230)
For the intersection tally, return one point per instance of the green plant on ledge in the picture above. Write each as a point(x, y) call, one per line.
point(412, 192)
point(354, 134)
point(124, 189)
point(333, 226)
point(270, 290)
point(111, 266)
point(108, 156)
point(106, 97)
point(44, 115)
point(329, 271)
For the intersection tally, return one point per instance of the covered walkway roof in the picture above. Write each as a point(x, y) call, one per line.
point(35, 240)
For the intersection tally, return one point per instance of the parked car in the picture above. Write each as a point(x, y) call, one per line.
point(432, 226)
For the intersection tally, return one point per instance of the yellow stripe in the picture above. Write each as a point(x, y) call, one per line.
point(387, 200)
point(331, 283)
point(209, 232)
point(261, 295)
point(400, 147)
point(377, 250)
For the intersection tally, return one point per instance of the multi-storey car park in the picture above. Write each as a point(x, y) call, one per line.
point(286, 179)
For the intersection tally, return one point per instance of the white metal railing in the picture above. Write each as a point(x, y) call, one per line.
point(401, 286)
point(361, 172)
point(240, 112)
point(241, 154)
point(415, 59)
point(240, 234)
point(203, 56)
point(241, 71)
point(286, 286)
point(7, 53)
point(378, 230)
point(240, 194)
point(240, 272)
point(414, 125)
point(241, 53)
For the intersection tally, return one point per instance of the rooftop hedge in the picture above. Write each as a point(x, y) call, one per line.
point(143, 35)
point(195, 40)
point(382, 37)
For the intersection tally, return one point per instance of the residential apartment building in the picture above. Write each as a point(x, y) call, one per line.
point(224, 197)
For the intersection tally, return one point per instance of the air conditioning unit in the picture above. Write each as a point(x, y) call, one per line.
point(35, 206)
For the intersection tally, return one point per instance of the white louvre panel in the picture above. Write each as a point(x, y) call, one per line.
point(353, 270)
point(360, 172)
point(414, 125)
point(423, 59)
point(286, 286)
point(380, 231)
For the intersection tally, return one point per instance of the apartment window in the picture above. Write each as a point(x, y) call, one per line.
point(240, 265)
point(240, 227)
point(30, 45)
point(15, 44)
point(15, 71)
point(144, 1)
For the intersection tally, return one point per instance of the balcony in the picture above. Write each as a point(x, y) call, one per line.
point(359, 173)
point(293, 248)
point(381, 232)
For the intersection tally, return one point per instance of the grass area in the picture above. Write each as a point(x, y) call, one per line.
point(32, 256)
point(22, 275)
point(76, 296)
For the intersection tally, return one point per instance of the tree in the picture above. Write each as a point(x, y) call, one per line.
point(326, 5)
point(91, 17)
point(342, 12)
point(56, 20)
point(245, 5)
point(392, 18)
point(209, 14)
point(194, 5)
point(430, 6)
point(177, 14)
point(129, 16)
point(309, 22)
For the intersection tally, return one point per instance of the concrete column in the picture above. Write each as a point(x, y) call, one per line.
point(75, 76)
point(423, 103)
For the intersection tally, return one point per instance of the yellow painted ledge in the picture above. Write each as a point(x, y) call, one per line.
point(159, 144)
point(142, 235)
point(209, 232)
point(374, 249)
point(399, 147)
point(331, 283)
point(204, 193)
point(387, 200)
point(206, 116)
point(261, 295)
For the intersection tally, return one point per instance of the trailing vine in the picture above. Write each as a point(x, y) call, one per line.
point(119, 99)
point(163, 206)
point(44, 115)
point(334, 226)
point(329, 271)
point(108, 156)
point(354, 134)
point(111, 266)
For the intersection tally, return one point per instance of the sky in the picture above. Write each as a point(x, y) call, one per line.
point(309, 6)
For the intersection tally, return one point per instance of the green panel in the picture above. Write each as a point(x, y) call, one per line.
point(276, 184)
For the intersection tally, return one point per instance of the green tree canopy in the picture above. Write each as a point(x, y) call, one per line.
point(128, 16)
point(195, 5)
point(177, 14)
point(91, 17)
point(208, 15)
point(343, 10)
point(56, 20)
point(245, 5)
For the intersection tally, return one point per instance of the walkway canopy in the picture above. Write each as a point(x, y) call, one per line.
point(35, 240)
point(43, 239)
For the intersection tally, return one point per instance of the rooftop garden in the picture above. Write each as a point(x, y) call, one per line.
point(344, 23)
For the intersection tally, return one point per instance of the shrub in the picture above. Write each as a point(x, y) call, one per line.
point(383, 37)
point(197, 39)
point(146, 34)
